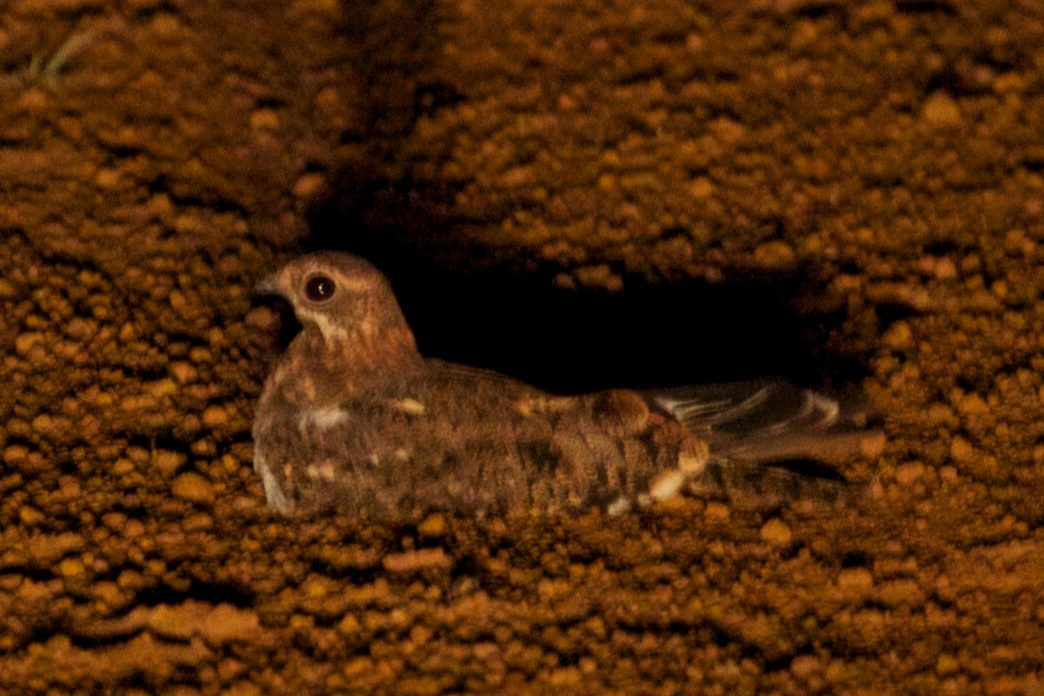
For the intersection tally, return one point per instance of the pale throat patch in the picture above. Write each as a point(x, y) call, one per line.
point(331, 332)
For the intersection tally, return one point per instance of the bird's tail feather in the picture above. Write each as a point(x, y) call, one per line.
point(772, 438)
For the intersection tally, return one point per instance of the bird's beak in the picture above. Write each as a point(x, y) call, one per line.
point(268, 285)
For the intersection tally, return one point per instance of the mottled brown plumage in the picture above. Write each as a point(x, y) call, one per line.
point(353, 418)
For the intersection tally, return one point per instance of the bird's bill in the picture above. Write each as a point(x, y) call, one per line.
point(268, 285)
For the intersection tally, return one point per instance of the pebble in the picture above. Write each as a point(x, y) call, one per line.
point(855, 583)
point(947, 665)
point(168, 462)
point(805, 666)
point(972, 404)
point(46, 549)
point(15, 453)
point(178, 622)
point(214, 416)
point(308, 185)
point(909, 472)
point(961, 450)
point(30, 516)
point(599, 277)
point(414, 561)
point(264, 119)
point(899, 336)
point(776, 532)
point(944, 268)
point(71, 568)
point(228, 624)
point(433, 525)
point(941, 110)
point(715, 511)
point(900, 592)
point(193, 487)
point(776, 254)
point(873, 446)
point(182, 371)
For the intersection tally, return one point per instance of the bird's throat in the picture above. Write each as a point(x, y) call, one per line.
point(361, 353)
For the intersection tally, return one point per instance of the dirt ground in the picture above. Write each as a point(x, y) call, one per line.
point(158, 157)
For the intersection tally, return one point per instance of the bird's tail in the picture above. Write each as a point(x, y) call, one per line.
point(770, 437)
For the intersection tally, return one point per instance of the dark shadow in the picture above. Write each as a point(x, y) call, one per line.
point(502, 311)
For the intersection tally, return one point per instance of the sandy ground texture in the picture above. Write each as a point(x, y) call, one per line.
point(157, 157)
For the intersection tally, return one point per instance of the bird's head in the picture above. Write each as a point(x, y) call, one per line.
point(342, 296)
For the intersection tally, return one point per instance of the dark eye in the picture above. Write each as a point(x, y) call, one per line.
point(320, 288)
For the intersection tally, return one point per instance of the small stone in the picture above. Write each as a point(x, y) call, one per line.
point(909, 472)
point(182, 371)
point(600, 277)
point(109, 593)
point(25, 341)
point(701, 188)
point(228, 624)
point(944, 268)
point(106, 178)
point(805, 666)
point(349, 625)
point(168, 462)
point(947, 665)
point(122, 466)
point(48, 548)
point(566, 678)
point(178, 622)
point(161, 388)
point(972, 404)
point(419, 560)
point(872, 446)
point(432, 526)
point(193, 487)
point(34, 100)
point(308, 185)
point(716, 512)
point(941, 110)
point(776, 532)
point(900, 592)
point(264, 119)
point(776, 254)
point(315, 588)
point(243, 688)
point(855, 582)
point(71, 568)
point(358, 667)
point(15, 453)
point(177, 300)
point(961, 450)
point(898, 336)
point(214, 416)
point(30, 516)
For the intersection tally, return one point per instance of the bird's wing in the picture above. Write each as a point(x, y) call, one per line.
point(767, 420)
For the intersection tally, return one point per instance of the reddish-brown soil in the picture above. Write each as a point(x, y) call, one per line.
point(157, 157)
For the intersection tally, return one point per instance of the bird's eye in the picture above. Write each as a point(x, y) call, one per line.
point(320, 288)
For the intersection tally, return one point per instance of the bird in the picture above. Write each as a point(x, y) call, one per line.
point(353, 419)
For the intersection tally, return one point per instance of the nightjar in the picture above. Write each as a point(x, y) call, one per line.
point(354, 419)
